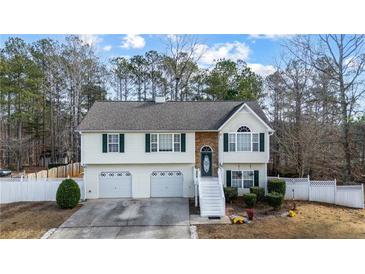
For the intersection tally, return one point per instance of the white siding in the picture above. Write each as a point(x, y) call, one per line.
point(140, 177)
point(245, 118)
point(262, 168)
point(134, 146)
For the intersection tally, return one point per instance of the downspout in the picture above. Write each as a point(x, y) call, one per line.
point(82, 163)
point(220, 150)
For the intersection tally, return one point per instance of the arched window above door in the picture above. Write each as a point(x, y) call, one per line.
point(206, 149)
point(244, 129)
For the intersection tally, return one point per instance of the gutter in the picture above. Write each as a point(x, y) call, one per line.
point(145, 131)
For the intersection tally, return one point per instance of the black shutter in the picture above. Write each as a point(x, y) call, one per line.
point(262, 142)
point(148, 142)
point(256, 177)
point(225, 142)
point(121, 142)
point(228, 178)
point(105, 143)
point(183, 142)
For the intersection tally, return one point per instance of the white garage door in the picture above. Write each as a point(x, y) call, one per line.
point(115, 184)
point(166, 184)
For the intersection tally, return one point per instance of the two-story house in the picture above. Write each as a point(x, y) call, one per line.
point(150, 149)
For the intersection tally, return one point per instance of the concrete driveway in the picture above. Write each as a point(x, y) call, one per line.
point(155, 218)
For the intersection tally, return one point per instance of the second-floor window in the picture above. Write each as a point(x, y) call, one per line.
point(165, 142)
point(113, 142)
point(243, 140)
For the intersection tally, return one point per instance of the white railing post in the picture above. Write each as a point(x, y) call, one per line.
point(362, 191)
point(335, 192)
point(196, 194)
point(198, 187)
point(220, 181)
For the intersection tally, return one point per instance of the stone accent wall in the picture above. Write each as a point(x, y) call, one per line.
point(207, 139)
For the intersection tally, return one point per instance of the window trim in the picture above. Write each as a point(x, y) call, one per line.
point(117, 143)
point(242, 183)
point(158, 142)
point(251, 143)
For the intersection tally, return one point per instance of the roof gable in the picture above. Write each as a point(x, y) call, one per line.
point(258, 114)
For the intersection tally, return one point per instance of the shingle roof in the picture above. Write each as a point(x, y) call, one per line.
point(171, 115)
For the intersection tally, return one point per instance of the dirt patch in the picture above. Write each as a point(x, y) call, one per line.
point(30, 220)
point(314, 220)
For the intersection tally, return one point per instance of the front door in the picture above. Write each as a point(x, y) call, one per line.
point(206, 163)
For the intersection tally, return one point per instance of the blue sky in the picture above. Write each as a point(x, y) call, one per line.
point(259, 51)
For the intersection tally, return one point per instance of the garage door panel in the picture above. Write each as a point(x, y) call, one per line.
point(115, 184)
point(166, 184)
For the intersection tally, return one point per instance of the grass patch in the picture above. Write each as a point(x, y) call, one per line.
point(30, 220)
point(314, 220)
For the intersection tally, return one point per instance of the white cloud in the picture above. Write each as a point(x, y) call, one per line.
point(269, 36)
point(233, 51)
point(173, 37)
point(90, 39)
point(261, 69)
point(133, 41)
point(352, 62)
point(107, 48)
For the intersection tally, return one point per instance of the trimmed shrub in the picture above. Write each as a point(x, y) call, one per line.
point(250, 199)
point(230, 193)
point(275, 199)
point(276, 185)
point(68, 194)
point(259, 191)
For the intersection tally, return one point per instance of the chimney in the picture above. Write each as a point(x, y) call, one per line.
point(160, 99)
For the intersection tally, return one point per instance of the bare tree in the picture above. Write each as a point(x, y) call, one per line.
point(183, 53)
point(292, 84)
point(342, 59)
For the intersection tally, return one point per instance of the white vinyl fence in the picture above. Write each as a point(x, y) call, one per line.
point(24, 190)
point(296, 188)
point(323, 191)
point(351, 196)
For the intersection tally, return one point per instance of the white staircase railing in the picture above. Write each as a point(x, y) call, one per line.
point(220, 181)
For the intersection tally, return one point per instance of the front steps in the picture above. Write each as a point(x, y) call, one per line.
point(211, 197)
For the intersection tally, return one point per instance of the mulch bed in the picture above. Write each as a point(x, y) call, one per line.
point(261, 209)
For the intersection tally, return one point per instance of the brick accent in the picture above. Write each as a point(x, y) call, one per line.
point(207, 139)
